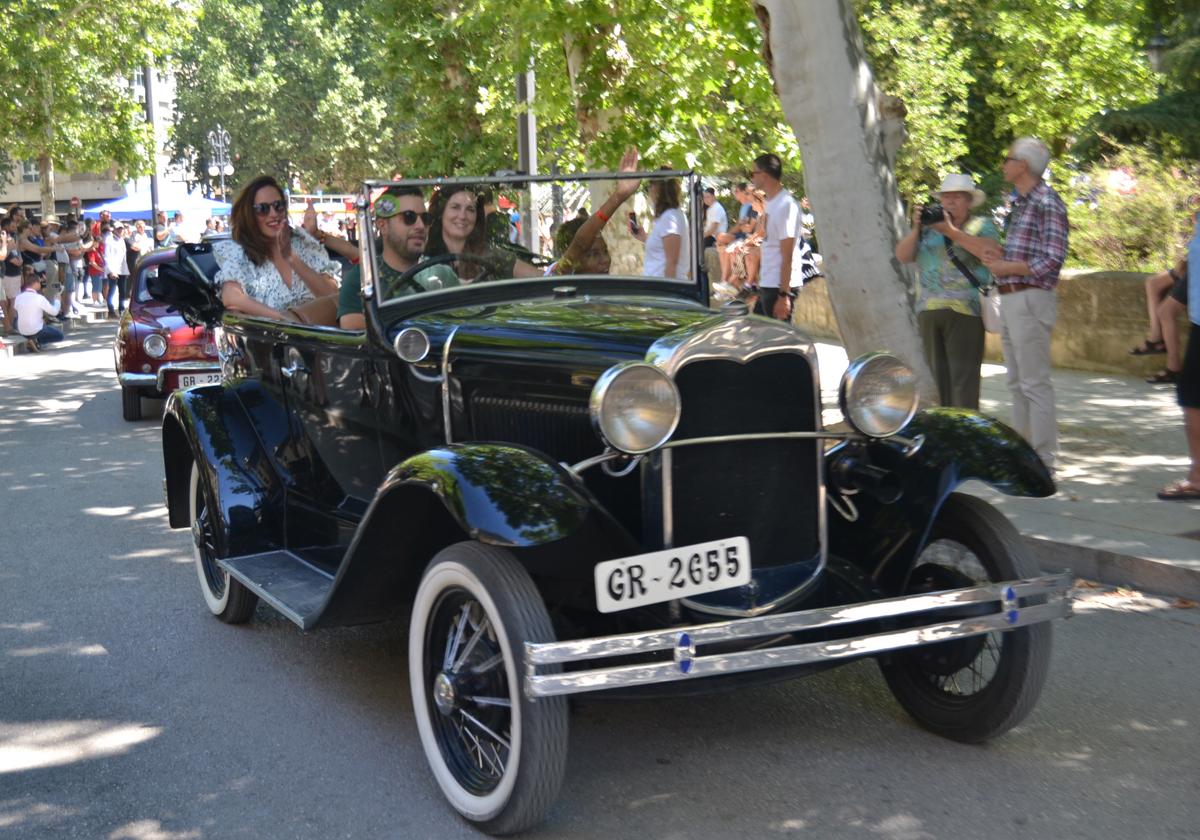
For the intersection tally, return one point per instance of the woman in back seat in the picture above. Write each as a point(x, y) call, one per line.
point(269, 266)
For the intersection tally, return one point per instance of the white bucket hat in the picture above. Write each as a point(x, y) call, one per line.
point(956, 182)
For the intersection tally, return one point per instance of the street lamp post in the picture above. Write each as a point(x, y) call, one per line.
point(1156, 48)
point(218, 144)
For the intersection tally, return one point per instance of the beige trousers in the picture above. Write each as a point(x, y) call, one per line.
point(1029, 317)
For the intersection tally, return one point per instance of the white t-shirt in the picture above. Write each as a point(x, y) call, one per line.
point(717, 214)
point(783, 222)
point(30, 306)
point(115, 256)
point(670, 222)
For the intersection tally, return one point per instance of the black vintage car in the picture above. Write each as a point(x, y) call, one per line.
point(596, 483)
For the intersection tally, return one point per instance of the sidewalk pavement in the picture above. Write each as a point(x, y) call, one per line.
point(14, 344)
point(1120, 440)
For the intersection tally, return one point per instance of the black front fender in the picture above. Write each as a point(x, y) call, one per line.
point(499, 494)
point(209, 426)
point(957, 445)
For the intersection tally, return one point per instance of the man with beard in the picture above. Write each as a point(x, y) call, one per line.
point(402, 225)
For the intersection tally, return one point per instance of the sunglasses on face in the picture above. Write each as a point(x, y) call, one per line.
point(410, 217)
point(265, 207)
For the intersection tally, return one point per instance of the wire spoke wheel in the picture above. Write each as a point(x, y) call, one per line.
point(976, 688)
point(497, 756)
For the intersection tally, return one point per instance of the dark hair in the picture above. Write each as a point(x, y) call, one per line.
point(770, 164)
point(667, 195)
point(566, 232)
point(741, 185)
point(710, 190)
point(477, 239)
point(245, 224)
point(399, 191)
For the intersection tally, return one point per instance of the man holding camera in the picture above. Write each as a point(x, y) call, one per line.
point(1026, 276)
point(948, 244)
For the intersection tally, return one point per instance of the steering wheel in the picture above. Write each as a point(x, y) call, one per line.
point(408, 277)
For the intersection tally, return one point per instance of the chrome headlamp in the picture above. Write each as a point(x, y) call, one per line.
point(635, 407)
point(878, 394)
point(155, 346)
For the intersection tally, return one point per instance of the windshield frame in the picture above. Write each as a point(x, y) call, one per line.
point(697, 287)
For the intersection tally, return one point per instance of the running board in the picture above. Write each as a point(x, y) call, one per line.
point(295, 588)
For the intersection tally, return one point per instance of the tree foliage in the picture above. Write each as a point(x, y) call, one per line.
point(65, 64)
point(295, 84)
point(682, 81)
point(976, 75)
point(1170, 123)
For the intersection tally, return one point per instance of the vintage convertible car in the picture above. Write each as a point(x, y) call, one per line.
point(598, 483)
point(155, 351)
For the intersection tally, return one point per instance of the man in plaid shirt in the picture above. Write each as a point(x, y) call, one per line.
point(1026, 276)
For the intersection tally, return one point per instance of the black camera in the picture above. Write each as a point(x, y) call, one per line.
point(932, 214)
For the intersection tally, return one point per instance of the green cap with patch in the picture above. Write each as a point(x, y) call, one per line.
point(388, 204)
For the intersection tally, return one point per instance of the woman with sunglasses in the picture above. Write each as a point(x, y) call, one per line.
point(268, 266)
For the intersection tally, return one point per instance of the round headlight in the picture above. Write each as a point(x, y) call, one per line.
point(879, 394)
point(635, 407)
point(154, 345)
point(411, 344)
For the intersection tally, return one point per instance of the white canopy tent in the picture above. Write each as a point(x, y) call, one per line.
point(137, 206)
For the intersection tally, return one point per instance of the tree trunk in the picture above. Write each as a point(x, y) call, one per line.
point(815, 54)
point(45, 160)
point(626, 252)
point(46, 183)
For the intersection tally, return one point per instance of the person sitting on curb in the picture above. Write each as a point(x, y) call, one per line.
point(31, 307)
point(1166, 297)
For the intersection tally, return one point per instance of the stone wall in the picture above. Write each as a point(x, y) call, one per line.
point(1101, 314)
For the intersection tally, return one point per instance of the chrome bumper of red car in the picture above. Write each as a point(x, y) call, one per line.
point(1011, 610)
point(158, 380)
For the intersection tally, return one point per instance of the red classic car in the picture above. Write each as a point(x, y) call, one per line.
point(155, 350)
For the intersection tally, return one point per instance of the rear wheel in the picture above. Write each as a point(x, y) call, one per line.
point(498, 757)
point(131, 403)
point(976, 688)
point(225, 597)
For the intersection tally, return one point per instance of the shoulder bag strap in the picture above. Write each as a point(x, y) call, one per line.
point(966, 272)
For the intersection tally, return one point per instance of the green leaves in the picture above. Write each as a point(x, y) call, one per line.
point(63, 63)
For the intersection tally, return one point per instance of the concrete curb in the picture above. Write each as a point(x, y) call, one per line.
point(1098, 564)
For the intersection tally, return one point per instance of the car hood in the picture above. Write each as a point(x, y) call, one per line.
point(156, 315)
point(604, 329)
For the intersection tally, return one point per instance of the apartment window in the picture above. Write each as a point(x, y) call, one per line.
point(29, 172)
point(139, 78)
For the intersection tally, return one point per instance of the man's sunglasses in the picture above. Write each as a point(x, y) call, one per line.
point(410, 217)
point(265, 207)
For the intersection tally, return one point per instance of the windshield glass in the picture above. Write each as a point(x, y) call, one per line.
point(428, 235)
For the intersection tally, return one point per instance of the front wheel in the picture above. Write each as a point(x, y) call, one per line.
point(225, 597)
point(976, 688)
point(131, 404)
point(498, 756)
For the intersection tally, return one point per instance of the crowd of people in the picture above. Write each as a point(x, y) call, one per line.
point(54, 267)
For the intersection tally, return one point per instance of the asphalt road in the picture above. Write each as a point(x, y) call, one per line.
point(128, 713)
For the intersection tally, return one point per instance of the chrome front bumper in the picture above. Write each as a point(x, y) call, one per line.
point(158, 380)
point(1009, 614)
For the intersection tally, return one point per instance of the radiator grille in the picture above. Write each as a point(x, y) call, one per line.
point(765, 490)
point(558, 428)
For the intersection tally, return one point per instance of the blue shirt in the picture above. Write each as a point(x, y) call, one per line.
point(1194, 275)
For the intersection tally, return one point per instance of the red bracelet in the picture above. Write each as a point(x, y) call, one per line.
point(600, 213)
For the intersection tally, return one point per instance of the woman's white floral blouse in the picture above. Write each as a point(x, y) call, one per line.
point(262, 282)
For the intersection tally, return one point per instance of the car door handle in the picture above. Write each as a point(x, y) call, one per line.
point(294, 369)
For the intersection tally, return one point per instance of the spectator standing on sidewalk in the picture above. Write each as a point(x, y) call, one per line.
point(779, 268)
point(1027, 276)
point(1188, 387)
point(12, 271)
point(716, 220)
point(163, 235)
point(116, 267)
point(947, 299)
